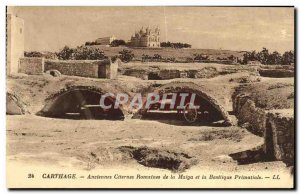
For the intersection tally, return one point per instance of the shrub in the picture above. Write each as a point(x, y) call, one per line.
point(88, 53)
point(65, 54)
point(155, 57)
point(81, 53)
point(126, 55)
point(47, 55)
point(288, 58)
point(116, 43)
point(199, 57)
point(33, 54)
point(114, 58)
point(91, 43)
point(175, 45)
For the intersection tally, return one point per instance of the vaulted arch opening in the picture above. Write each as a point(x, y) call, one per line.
point(81, 103)
point(203, 108)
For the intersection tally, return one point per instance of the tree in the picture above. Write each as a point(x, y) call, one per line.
point(288, 58)
point(65, 54)
point(126, 55)
point(165, 44)
point(81, 53)
point(249, 56)
point(274, 58)
point(267, 58)
point(88, 53)
point(263, 56)
point(175, 45)
point(116, 43)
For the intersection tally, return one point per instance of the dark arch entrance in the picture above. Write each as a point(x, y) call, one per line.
point(81, 104)
point(210, 110)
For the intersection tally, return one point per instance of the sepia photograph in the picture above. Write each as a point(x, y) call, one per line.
point(150, 97)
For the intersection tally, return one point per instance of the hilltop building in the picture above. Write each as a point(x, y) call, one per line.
point(146, 38)
point(105, 40)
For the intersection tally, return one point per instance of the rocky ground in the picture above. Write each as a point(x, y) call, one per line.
point(98, 144)
point(133, 143)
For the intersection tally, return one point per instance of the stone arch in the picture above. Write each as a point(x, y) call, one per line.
point(189, 87)
point(80, 102)
point(53, 72)
point(14, 104)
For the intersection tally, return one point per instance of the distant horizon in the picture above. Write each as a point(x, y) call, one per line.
point(213, 28)
point(165, 48)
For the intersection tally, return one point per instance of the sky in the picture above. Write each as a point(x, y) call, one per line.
point(230, 28)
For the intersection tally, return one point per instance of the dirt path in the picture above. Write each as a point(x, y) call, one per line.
point(89, 144)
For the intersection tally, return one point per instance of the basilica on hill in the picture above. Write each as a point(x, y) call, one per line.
point(146, 38)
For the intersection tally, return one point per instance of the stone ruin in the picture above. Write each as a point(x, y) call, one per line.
point(276, 126)
point(83, 68)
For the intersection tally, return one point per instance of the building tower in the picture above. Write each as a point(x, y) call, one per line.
point(15, 43)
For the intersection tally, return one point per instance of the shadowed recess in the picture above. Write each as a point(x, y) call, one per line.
point(80, 103)
point(210, 110)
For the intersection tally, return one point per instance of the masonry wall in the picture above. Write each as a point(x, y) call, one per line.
point(83, 68)
point(248, 114)
point(139, 73)
point(31, 65)
point(276, 72)
point(169, 74)
point(283, 130)
point(276, 126)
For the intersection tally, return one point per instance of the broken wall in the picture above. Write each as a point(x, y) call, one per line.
point(276, 126)
point(31, 65)
point(83, 68)
point(169, 74)
point(276, 72)
point(282, 125)
point(247, 113)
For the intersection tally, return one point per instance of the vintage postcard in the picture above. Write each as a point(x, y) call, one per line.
point(150, 97)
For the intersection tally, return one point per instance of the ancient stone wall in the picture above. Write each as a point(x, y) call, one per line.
point(31, 65)
point(169, 74)
point(248, 114)
point(282, 127)
point(139, 73)
point(276, 72)
point(276, 126)
point(83, 68)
